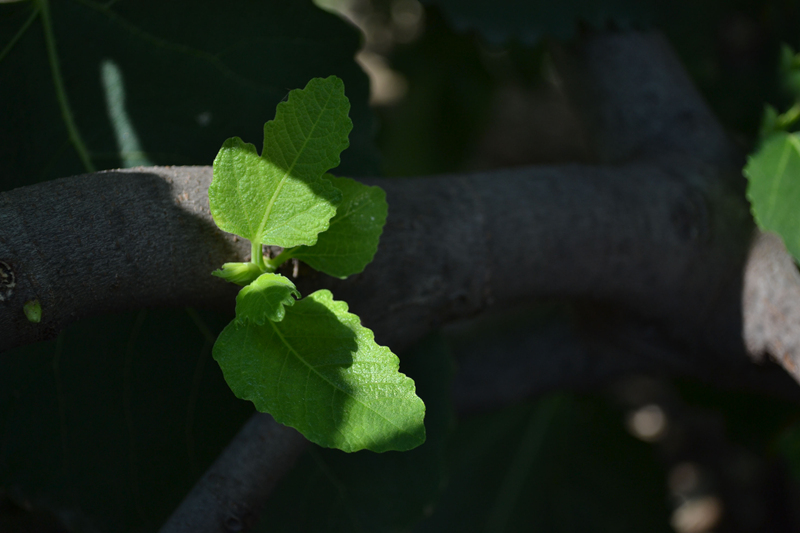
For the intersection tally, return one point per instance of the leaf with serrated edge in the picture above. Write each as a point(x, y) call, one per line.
point(321, 372)
point(352, 239)
point(265, 299)
point(773, 188)
point(280, 198)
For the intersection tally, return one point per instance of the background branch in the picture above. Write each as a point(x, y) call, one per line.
point(231, 493)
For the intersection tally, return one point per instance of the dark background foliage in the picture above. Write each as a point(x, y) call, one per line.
point(107, 427)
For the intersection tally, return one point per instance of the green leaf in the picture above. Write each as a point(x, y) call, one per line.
point(239, 273)
point(352, 239)
point(321, 372)
point(265, 299)
point(280, 197)
point(773, 188)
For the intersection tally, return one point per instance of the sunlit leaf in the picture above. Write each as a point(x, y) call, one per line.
point(280, 198)
point(352, 239)
point(265, 299)
point(773, 188)
point(239, 273)
point(321, 372)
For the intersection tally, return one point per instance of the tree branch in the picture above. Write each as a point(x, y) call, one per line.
point(453, 246)
point(229, 496)
point(771, 303)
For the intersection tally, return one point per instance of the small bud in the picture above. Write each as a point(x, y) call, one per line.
point(33, 310)
point(239, 273)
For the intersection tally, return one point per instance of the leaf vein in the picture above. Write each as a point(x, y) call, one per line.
point(325, 378)
point(291, 168)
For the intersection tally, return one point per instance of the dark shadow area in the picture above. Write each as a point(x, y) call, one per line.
point(110, 425)
point(153, 86)
point(508, 356)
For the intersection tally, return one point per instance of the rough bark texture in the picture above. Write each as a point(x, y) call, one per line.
point(453, 247)
point(660, 230)
point(106, 242)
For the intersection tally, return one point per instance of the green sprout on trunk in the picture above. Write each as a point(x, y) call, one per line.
point(308, 362)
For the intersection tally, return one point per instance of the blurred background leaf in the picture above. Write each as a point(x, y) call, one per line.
point(164, 83)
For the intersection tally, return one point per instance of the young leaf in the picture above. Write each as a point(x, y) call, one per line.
point(280, 197)
point(265, 299)
point(352, 239)
point(321, 372)
point(773, 188)
point(239, 273)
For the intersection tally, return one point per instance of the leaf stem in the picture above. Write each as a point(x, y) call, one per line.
point(787, 119)
point(61, 94)
point(257, 256)
point(281, 258)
